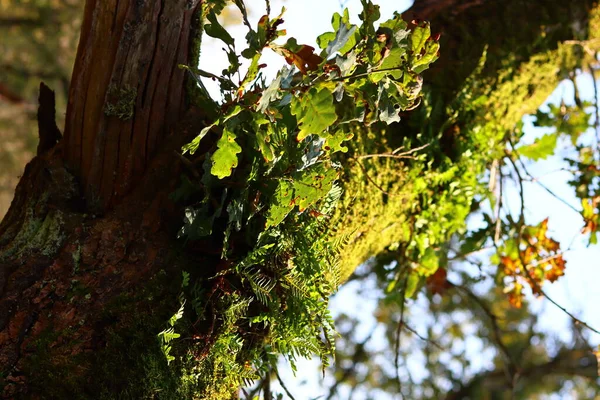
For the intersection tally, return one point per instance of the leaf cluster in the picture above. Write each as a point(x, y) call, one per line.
point(269, 181)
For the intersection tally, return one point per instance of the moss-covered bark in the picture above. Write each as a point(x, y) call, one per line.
point(82, 298)
point(500, 60)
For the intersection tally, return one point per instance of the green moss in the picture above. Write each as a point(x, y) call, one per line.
point(57, 377)
point(372, 220)
point(368, 219)
point(43, 235)
point(416, 203)
point(120, 102)
point(130, 365)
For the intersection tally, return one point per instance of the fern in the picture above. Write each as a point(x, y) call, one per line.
point(262, 285)
point(270, 185)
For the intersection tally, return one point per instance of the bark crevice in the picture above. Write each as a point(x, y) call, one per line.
point(137, 45)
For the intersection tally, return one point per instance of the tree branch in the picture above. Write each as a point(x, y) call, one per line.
point(576, 362)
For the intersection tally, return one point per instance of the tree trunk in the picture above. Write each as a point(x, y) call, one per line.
point(126, 92)
point(89, 237)
point(89, 265)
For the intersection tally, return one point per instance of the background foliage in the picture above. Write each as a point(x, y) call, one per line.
point(39, 40)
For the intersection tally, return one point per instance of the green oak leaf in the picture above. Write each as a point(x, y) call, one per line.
point(216, 30)
point(262, 139)
point(431, 54)
point(395, 24)
point(541, 148)
point(342, 39)
point(429, 262)
point(193, 145)
point(334, 142)
point(314, 111)
point(369, 16)
point(395, 60)
point(281, 206)
point(345, 39)
point(401, 36)
point(412, 284)
point(390, 101)
point(312, 185)
point(272, 92)
point(418, 38)
point(349, 110)
point(388, 113)
point(263, 129)
point(225, 159)
point(253, 70)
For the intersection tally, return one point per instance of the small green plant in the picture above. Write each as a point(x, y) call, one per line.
point(269, 183)
point(165, 337)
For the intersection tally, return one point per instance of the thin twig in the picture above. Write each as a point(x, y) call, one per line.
point(576, 96)
point(533, 179)
point(537, 288)
point(394, 154)
point(417, 334)
point(385, 155)
point(520, 182)
point(246, 394)
point(398, 336)
point(557, 197)
point(242, 7)
point(411, 150)
point(461, 256)
point(283, 385)
point(544, 260)
point(584, 45)
point(573, 317)
point(266, 387)
point(363, 74)
point(498, 228)
point(526, 271)
point(511, 367)
point(359, 353)
point(373, 182)
point(534, 284)
point(596, 108)
point(343, 78)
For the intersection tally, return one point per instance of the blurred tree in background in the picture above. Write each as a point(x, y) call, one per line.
point(38, 41)
point(459, 340)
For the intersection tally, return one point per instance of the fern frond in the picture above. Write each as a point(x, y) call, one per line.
point(261, 284)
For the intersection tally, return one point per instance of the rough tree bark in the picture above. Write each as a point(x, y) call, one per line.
point(88, 245)
point(91, 227)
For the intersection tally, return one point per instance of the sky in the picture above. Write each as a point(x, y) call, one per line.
point(576, 291)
